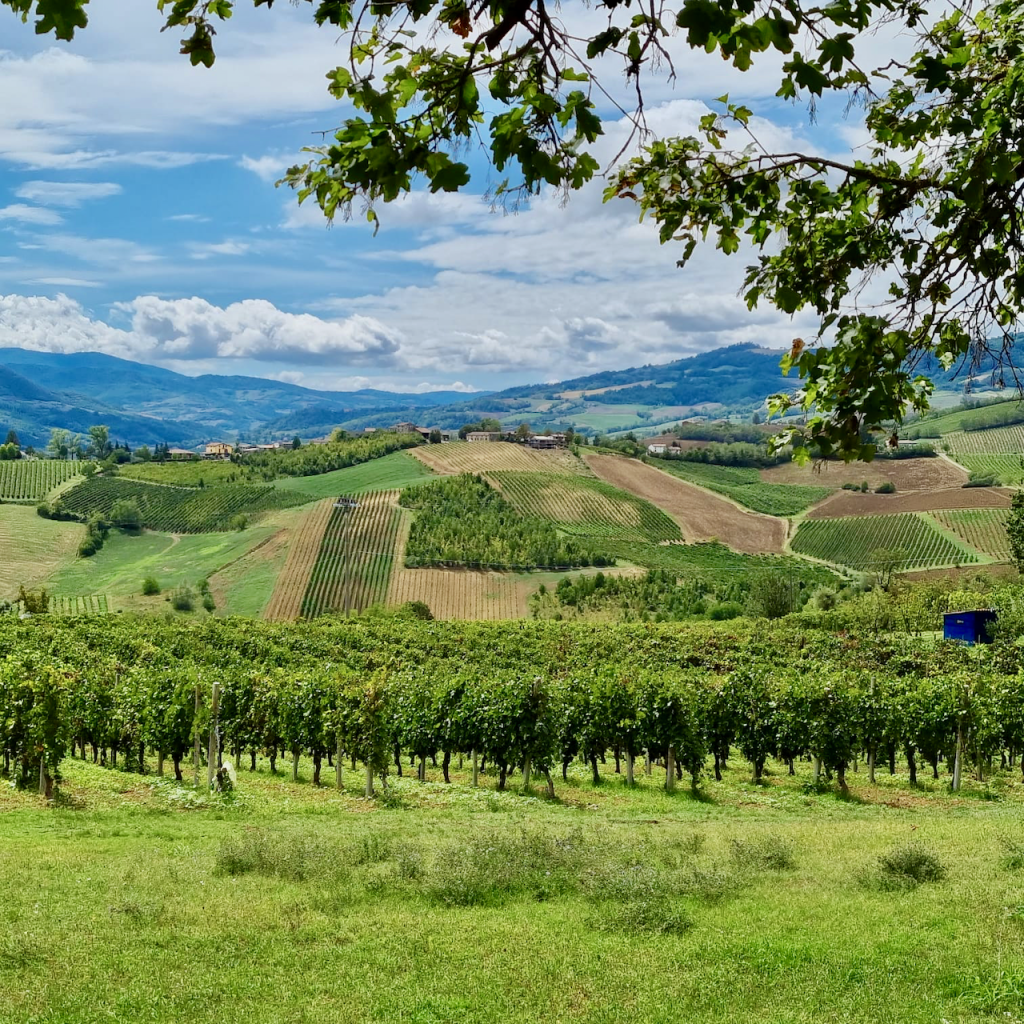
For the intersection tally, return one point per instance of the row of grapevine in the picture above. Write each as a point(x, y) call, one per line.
point(911, 541)
point(517, 720)
point(586, 506)
point(996, 440)
point(984, 529)
point(91, 604)
point(290, 588)
point(1006, 469)
point(33, 479)
point(465, 594)
point(353, 565)
point(174, 509)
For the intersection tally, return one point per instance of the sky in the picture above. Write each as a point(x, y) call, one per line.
point(139, 217)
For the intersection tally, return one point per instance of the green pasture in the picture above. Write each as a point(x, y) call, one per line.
point(138, 899)
point(389, 473)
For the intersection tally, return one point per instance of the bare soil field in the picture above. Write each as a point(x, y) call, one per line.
point(853, 503)
point(907, 474)
point(700, 514)
point(286, 601)
point(484, 456)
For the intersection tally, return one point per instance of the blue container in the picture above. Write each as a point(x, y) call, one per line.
point(970, 627)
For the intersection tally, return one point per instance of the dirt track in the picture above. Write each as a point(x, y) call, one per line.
point(853, 503)
point(700, 514)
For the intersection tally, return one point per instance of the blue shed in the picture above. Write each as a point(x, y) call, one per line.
point(971, 627)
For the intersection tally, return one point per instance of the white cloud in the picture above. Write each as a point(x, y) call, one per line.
point(65, 282)
point(268, 168)
point(24, 214)
point(66, 193)
point(204, 250)
point(192, 218)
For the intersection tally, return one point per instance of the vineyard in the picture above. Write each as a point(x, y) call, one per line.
point(353, 566)
point(1006, 470)
point(25, 480)
point(995, 441)
point(198, 473)
point(388, 473)
point(461, 593)
point(984, 529)
point(491, 456)
point(464, 522)
point(745, 485)
point(176, 509)
point(93, 604)
point(913, 542)
point(290, 587)
point(586, 507)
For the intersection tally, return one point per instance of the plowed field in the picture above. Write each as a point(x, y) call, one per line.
point(700, 514)
point(486, 456)
point(461, 593)
point(286, 601)
point(907, 474)
point(853, 503)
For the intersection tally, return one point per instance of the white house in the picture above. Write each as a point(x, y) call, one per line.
point(656, 449)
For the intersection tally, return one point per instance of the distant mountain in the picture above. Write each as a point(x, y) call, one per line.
point(147, 404)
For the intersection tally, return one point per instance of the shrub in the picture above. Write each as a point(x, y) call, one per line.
point(239, 522)
point(765, 853)
point(652, 916)
point(183, 600)
point(981, 480)
point(150, 586)
point(208, 602)
point(864, 486)
point(887, 487)
point(725, 610)
point(823, 599)
point(1013, 857)
point(909, 865)
point(418, 610)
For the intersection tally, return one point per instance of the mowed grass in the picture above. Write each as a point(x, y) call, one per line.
point(138, 900)
point(32, 548)
point(120, 566)
point(390, 473)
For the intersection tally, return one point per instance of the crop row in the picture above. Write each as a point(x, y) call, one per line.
point(984, 529)
point(518, 720)
point(996, 440)
point(30, 480)
point(353, 565)
point(1005, 469)
point(908, 540)
point(174, 509)
point(586, 507)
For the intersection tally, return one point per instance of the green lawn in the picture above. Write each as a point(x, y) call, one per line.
point(137, 900)
point(390, 473)
point(119, 567)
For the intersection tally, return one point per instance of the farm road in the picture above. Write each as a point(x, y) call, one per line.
point(700, 514)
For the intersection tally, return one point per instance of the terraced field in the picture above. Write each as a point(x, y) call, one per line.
point(31, 480)
point(851, 542)
point(984, 529)
point(491, 456)
point(353, 565)
point(586, 506)
point(700, 515)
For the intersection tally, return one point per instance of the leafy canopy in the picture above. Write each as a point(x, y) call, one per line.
point(928, 215)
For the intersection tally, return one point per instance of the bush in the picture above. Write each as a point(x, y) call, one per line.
point(239, 522)
point(725, 610)
point(766, 853)
point(864, 487)
point(125, 513)
point(183, 600)
point(150, 586)
point(418, 610)
point(1013, 858)
point(888, 487)
point(981, 480)
point(208, 602)
point(909, 865)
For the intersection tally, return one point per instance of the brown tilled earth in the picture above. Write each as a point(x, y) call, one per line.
point(907, 474)
point(700, 514)
point(484, 456)
point(286, 601)
point(853, 503)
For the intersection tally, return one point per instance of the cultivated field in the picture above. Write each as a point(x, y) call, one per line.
point(32, 549)
point(995, 440)
point(701, 515)
point(851, 542)
point(25, 480)
point(286, 601)
point(487, 456)
point(984, 529)
point(198, 473)
point(389, 473)
point(586, 506)
point(353, 565)
point(1006, 469)
point(923, 474)
point(853, 503)
point(462, 593)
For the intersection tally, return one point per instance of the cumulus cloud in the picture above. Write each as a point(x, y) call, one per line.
point(66, 193)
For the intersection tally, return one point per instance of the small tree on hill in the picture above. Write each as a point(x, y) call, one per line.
point(12, 438)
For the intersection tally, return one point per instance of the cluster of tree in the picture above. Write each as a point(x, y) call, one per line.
point(488, 423)
point(463, 521)
point(730, 454)
point(312, 460)
point(965, 714)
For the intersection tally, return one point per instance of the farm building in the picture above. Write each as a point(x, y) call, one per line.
point(973, 627)
point(545, 441)
point(218, 450)
point(656, 449)
point(406, 428)
point(483, 435)
point(181, 454)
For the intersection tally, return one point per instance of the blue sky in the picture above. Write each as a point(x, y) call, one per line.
point(138, 216)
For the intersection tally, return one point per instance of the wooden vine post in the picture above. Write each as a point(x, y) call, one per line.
point(197, 752)
point(338, 757)
point(871, 749)
point(670, 769)
point(647, 758)
point(213, 745)
point(476, 770)
point(369, 778)
point(629, 767)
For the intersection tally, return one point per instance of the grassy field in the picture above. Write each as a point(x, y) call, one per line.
point(390, 473)
point(31, 548)
point(744, 484)
point(120, 566)
point(136, 899)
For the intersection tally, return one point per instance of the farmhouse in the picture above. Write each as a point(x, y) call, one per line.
point(547, 441)
point(406, 428)
point(218, 450)
point(656, 449)
point(181, 454)
point(484, 435)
